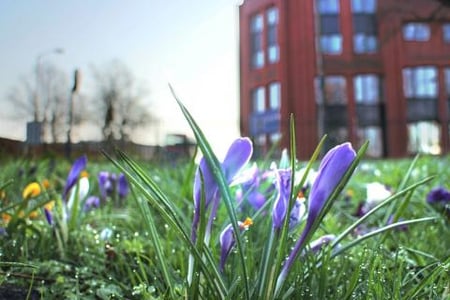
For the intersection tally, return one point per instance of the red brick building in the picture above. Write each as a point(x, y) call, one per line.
point(357, 70)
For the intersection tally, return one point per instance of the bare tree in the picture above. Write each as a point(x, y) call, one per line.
point(119, 106)
point(52, 89)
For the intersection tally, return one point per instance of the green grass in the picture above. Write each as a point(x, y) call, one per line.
point(407, 264)
point(146, 254)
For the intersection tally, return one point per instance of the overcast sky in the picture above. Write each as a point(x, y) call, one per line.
point(191, 43)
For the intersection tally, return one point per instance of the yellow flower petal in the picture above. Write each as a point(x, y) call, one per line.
point(31, 190)
point(49, 205)
point(6, 217)
point(46, 183)
point(34, 214)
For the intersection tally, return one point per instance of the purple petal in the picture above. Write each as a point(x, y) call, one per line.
point(331, 170)
point(297, 213)
point(91, 202)
point(122, 186)
point(318, 244)
point(256, 200)
point(438, 195)
point(48, 216)
point(237, 156)
point(210, 186)
point(227, 241)
point(104, 183)
point(283, 186)
point(78, 166)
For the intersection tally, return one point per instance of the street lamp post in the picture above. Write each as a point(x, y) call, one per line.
point(75, 88)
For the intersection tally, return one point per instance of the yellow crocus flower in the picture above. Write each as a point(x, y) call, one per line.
point(31, 190)
point(34, 214)
point(6, 218)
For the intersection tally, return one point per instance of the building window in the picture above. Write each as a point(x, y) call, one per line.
point(274, 96)
point(447, 81)
point(420, 82)
point(328, 6)
point(273, 50)
point(330, 35)
point(419, 32)
point(367, 89)
point(364, 6)
point(257, 50)
point(365, 43)
point(331, 44)
point(423, 137)
point(365, 38)
point(374, 135)
point(335, 90)
point(446, 32)
point(259, 99)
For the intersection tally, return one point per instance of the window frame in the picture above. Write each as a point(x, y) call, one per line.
point(258, 95)
point(364, 83)
point(446, 33)
point(416, 32)
point(415, 83)
point(273, 49)
point(256, 41)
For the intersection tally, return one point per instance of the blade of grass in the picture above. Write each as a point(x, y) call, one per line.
point(216, 170)
point(402, 185)
point(376, 208)
point(158, 201)
point(439, 268)
point(353, 243)
point(155, 239)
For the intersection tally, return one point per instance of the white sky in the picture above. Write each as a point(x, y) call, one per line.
point(191, 43)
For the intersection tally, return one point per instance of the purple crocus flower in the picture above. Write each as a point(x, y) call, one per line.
point(105, 184)
point(122, 186)
point(281, 204)
point(331, 170)
point(91, 202)
point(237, 157)
point(439, 199)
point(227, 240)
point(438, 195)
point(78, 166)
